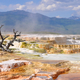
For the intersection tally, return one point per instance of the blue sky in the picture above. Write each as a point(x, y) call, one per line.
point(51, 8)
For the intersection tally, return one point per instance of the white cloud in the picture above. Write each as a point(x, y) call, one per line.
point(58, 2)
point(49, 7)
point(45, 0)
point(58, 17)
point(41, 7)
point(76, 8)
point(20, 7)
point(61, 4)
point(52, 5)
point(26, 6)
point(31, 2)
point(46, 5)
point(14, 7)
point(70, 6)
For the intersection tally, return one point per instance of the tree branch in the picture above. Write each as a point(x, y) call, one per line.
point(6, 47)
point(15, 36)
point(5, 37)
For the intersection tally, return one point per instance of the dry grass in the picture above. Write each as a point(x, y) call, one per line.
point(9, 56)
point(6, 57)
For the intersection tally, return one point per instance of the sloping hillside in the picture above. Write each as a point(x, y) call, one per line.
point(27, 22)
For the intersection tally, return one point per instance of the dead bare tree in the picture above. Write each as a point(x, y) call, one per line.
point(6, 47)
point(2, 39)
point(11, 42)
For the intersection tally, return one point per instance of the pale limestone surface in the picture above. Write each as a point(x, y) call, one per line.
point(71, 76)
point(11, 64)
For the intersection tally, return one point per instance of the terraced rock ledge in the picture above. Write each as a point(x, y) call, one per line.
point(21, 68)
point(11, 66)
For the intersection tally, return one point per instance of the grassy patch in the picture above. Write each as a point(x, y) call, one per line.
point(10, 56)
point(38, 50)
point(29, 56)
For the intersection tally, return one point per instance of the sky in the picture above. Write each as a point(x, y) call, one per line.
point(50, 8)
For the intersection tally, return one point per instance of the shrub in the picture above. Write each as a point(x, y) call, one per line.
point(40, 50)
point(28, 45)
point(37, 45)
point(33, 42)
point(61, 51)
point(24, 44)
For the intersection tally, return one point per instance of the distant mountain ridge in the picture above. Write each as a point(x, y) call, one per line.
point(74, 18)
point(28, 22)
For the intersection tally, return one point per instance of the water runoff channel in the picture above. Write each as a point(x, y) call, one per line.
point(69, 57)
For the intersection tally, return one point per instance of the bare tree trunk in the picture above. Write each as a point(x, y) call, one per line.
point(2, 39)
point(11, 42)
point(6, 47)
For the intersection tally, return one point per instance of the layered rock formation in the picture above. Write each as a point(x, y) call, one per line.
point(66, 70)
point(10, 64)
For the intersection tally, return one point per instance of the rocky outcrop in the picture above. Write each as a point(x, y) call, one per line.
point(39, 74)
point(11, 64)
point(45, 76)
point(36, 76)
